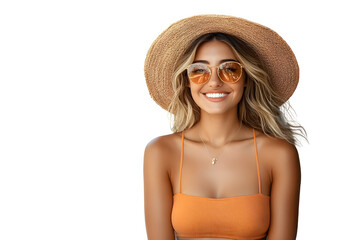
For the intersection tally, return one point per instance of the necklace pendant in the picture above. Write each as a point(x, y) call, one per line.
point(213, 161)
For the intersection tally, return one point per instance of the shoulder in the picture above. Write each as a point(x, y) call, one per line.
point(281, 155)
point(159, 149)
point(283, 160)
point(162, 143)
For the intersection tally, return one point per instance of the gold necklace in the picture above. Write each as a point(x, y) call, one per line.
point(214, 159)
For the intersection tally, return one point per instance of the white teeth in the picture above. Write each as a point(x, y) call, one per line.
point(216, 95)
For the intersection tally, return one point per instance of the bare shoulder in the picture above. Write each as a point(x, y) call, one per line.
point(159, 149)
point(162, 143)
point(284, 163)
point(279, 154)
point(158, 194)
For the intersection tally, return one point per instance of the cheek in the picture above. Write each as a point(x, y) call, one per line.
point(239, 90)
point(195, 89)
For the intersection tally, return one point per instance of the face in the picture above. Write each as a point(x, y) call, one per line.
point(214, 53)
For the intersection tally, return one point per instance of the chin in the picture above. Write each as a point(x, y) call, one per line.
point(215, 111)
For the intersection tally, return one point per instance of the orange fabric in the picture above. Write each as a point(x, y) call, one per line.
point(241, 217)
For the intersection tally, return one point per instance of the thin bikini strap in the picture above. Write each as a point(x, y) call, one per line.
point(257, 162)
point(182, 153)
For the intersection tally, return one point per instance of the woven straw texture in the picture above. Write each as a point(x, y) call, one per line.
point(276, 55)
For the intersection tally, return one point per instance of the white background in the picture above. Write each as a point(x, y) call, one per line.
point(76, 115)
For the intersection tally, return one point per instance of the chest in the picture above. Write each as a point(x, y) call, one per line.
point(240, 169)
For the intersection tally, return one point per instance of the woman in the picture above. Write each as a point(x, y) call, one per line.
point(231, 169)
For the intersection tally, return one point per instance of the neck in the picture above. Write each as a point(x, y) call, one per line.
point(218, 129)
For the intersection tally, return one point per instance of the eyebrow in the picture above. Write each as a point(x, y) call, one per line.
point(221, 61)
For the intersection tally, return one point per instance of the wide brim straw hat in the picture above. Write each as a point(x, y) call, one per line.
point(275, 54)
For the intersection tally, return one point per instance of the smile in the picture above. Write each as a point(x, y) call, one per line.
point(216, 97)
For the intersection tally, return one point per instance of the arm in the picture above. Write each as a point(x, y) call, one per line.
point(285, 191)
point(158, 194)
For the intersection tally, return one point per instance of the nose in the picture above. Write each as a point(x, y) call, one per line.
point(214, 80)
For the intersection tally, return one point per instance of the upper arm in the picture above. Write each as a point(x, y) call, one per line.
point(285, 191)
point(158, 194)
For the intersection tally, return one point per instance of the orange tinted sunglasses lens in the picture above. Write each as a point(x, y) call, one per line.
point(230, 71)
point(199, 73)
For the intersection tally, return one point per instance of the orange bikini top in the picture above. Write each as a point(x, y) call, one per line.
point(241, 217)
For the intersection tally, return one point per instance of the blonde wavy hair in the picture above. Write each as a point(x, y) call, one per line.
point(259, 108)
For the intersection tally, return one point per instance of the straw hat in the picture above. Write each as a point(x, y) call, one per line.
point(275, 54)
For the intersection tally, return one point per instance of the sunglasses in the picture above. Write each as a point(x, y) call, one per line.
point(228, 72)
